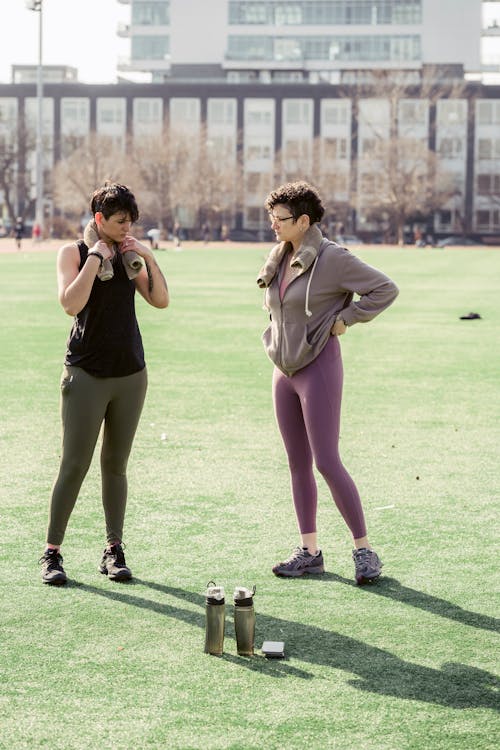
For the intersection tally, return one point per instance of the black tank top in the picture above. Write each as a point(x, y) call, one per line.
point(105, 339)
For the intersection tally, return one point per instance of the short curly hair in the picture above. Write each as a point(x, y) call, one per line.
point(300, 198)
point(113, 198)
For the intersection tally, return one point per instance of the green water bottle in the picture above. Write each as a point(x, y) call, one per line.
point(214, 619)
point(244, 620)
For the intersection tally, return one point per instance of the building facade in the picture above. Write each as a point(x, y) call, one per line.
point(298, 88)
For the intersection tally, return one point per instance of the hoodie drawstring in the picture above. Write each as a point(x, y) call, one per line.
point(306, 307)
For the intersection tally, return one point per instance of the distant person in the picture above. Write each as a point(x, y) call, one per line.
point(310, 286)
point(419, 238)
point(205, 231)
point(177, 235)
point(36, 232)
point(19, 231)
point(154, 238)
point(104, 378)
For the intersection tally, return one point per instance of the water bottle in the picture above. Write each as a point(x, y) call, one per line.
point(244, 620)
point(214, 619)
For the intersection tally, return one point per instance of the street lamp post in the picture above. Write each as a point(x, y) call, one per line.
point(36, 5)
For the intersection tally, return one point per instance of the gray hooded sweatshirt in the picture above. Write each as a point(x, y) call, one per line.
point(326, 277)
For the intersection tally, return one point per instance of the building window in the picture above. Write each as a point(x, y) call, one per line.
point(253, 182)
point(335, 112)
point(451, 112)
point(288, 13)
point(110, 111)
point(221, 111)
point(75, 116)
point(258, 117)
point(488, 148)
point(185, 110)
point(444, 219)
point(368, 146)
point(147, 111)
point(150, 47)
point(413, 112)
point(319, 12)
point(255, 216)
point(368, 183)
point(250, 13)
point(296, 156)
point(287, 76)
point(488, 221)
point(405, 48)
point(488, 184)
point(451, 148)
point(8, 110)
point(488, 112)
point(256, 149)
point(334, 149)
point(297, 111)
point(221, 146)
point(151, 13)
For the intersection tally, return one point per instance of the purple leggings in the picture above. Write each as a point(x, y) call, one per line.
point(307, 407)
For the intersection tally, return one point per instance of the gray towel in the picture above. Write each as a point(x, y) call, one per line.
point(304, 257)
point(131, 260)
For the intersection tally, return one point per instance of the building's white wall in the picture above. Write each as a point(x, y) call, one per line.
point(451, 32)
point(198, 31)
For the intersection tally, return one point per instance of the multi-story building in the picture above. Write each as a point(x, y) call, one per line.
point(307, 85)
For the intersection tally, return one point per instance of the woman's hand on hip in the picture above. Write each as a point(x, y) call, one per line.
point(338, 328)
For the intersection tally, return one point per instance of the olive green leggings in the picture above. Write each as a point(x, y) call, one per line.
point(87, 402)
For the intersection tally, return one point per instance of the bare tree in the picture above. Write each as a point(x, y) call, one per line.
point(216, 180)
point(401, 181)
point(323, 164)
point(87, 165)
point(16, 141)
point(157, 162)
point(399, 176)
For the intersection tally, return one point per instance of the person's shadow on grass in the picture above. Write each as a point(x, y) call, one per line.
point(393, 589)
point(376, 670)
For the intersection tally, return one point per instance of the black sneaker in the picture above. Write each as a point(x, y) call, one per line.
point(368, 565)
point(300, 562)
point(113, 564)
point(52, 569)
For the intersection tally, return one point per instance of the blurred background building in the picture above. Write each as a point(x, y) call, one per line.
point(392, 107)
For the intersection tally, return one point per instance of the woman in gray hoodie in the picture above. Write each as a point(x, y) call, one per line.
point(310, 284)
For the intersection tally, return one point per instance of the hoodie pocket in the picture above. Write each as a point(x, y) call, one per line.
point(296, 351)
point(287, 345)
point(270, 339)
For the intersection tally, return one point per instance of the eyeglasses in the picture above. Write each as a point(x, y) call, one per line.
point(279, 219)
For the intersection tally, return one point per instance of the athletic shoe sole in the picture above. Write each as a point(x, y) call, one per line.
point(117, 576)
point(56, 581)
point(297, 573)
point(363, 581)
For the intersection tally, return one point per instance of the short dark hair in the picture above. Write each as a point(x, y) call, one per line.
point(300, 197)
point(113, 198)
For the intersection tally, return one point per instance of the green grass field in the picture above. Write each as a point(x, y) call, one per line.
point(407, 664)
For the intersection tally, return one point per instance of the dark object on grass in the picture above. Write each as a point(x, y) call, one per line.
point(470, 316)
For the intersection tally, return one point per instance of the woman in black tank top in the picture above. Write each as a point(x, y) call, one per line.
point(104, 379)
